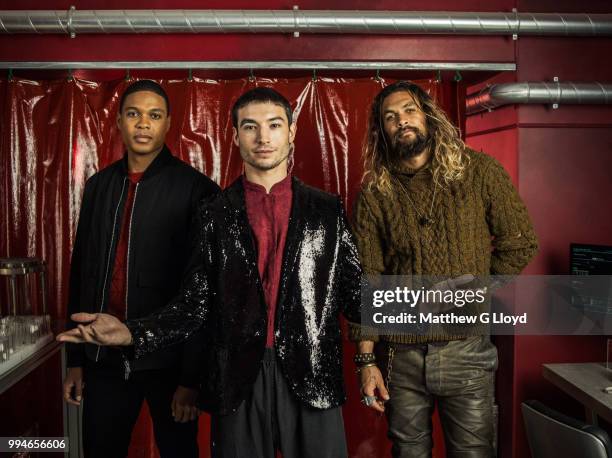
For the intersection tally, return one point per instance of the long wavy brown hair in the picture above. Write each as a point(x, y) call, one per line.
point(448, 150)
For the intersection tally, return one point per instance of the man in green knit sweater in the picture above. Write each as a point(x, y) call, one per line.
point(430, 206)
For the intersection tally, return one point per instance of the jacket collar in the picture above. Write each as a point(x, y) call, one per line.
point(162, 160)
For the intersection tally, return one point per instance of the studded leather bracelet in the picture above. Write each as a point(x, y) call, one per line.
point(361, 359)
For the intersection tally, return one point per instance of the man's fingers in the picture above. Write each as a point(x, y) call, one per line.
point(378, 406)
point(382, 389)
point(453, 283)
point(178, 414)
point(368, 389)
point(73, 402)
point(460, 280)
point(86, 333)
point(83, 317)
point(68, 393)
point(71, 332)
point(72, 336)
point(185, 414)
point(67, 390)
point(78, 390)
point(373, 384)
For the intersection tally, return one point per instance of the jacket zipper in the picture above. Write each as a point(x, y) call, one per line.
point(127, 262)
point(126, 363)
point(110, 249)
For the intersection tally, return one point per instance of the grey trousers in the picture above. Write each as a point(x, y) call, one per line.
point(459, 375)
point(273, 419)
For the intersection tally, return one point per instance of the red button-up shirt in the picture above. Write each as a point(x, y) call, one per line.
point(268, 215)
point(117, 303)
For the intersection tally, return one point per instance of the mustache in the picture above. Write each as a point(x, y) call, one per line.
point(401, 131)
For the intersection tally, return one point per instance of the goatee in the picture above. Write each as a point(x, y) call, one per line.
point(414, 148)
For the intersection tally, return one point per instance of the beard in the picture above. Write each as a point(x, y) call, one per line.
point(406, 150)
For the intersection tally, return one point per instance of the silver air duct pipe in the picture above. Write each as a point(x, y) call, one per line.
point(308, 21)
point(554, 93)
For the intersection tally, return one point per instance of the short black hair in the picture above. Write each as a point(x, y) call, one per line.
point(261, 95)
point(145, 85)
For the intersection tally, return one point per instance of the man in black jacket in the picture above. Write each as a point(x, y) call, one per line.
point(130, 250)
point(274, 263)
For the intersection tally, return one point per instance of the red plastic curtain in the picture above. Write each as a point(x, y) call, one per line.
point(56, 134)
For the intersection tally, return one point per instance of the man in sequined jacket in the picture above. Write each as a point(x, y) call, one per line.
point(274, 263)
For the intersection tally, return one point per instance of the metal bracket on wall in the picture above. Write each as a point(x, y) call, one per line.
point(69, 23)
point(296, 20)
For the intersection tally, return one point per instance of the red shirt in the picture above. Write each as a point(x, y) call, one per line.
point(117, 296)
point(268, 215)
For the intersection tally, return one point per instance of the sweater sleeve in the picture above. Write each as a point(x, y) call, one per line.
point(514, 240)
point(366, 229)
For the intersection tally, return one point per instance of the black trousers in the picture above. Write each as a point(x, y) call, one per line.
point(272, 419)
point(111, 406)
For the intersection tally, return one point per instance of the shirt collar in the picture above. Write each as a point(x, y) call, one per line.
point(281, 187)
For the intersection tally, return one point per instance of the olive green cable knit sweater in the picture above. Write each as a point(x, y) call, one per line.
point(480, 227)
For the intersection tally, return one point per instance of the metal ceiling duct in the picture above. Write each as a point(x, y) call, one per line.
point(303, 21)
point(555, 93)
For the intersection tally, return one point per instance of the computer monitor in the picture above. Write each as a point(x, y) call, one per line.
point(590, 259)
point(593, 294)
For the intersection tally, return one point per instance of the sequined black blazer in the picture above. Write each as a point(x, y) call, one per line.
point(222, 301)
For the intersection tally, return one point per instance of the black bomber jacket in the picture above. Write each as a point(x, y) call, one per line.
point(165, 200)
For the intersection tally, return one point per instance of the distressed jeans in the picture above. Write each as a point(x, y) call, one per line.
point(460, 376)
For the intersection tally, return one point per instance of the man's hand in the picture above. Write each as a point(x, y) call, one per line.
point(183, 404)
point(73, 380)
point(372, 384)
point(451, 284)
point(100, 329)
